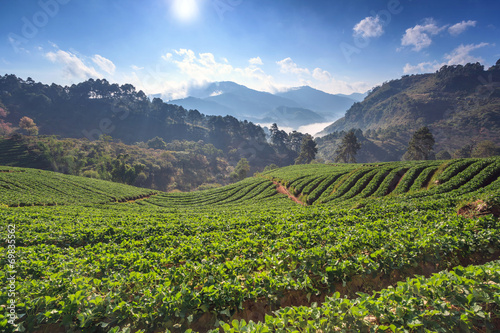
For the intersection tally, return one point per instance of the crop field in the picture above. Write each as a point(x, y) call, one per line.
point(388, 247)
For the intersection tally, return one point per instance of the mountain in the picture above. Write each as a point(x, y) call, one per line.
point(207, 107)
point(222, 98)
point(292, 117)
point(234, 99)
point(460, 104)
point(330, 106)
point(358, 97)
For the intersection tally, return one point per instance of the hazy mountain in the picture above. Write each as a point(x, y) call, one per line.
point(298, 106)
point(292, 117)
point(204, 106)
point(358, 97)
point(328, 105)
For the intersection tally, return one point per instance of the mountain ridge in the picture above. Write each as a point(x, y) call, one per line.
point(230, 98)
point(453, 102)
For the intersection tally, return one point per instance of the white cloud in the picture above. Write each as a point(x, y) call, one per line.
point(315, 128)
point(136, 68)
point(203, 67)
point(419, 35)
point(369, 27)
point(321, 75)
point(423, 67)
point(461, 55)
point(288, 66)
point(74, 67)
point(104, 64)
point(458, 28)
point(182, 70)
point(255, 61)
point(167, 56)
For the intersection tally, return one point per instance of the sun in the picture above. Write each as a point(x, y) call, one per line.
point(185, 10)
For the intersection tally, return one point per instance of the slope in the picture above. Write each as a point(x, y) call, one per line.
point(30, 187)
point(455, 103)
point(328, 105)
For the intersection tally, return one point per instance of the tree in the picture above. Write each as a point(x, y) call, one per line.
point(443, 155)
point(157, 143)
point(278, 137)
point(308, 150)
point(241, 170)
point(486, 148)
point(28, 125)
point(420, 145)
point(348, 148)
point(270, 167)
point(464, 152)
point(5, 127)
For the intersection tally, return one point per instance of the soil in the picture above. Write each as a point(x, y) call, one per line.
point(479, 208)
point(283, 190)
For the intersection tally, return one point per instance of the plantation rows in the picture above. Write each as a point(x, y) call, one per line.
point(244, 192)
point(321, 184)
point(30, 187)
point(457, 301)
point(244, 258)
point(84, 267)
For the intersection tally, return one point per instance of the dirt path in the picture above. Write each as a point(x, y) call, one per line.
point(281, 189)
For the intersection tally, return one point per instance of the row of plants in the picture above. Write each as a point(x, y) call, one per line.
point(168, 268)
point(28, 187)
point(465, 299)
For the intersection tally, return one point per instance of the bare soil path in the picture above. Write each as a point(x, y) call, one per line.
point(283, 190)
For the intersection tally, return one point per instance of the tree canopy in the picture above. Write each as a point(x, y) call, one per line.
point(308, 150)
point(420, 146)
point(348, 148)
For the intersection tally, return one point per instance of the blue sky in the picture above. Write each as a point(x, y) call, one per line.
point(169, 46)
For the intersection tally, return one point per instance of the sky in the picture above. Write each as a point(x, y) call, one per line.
point(168, 47)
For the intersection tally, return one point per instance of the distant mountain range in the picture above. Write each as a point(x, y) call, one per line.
point(293, 108)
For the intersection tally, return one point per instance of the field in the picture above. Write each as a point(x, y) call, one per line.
point(373, 248)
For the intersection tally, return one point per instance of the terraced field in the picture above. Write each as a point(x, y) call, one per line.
point(31, 187)
point(360, 257)
point(320, 184)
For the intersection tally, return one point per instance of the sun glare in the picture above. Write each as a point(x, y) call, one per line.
point(185, 10)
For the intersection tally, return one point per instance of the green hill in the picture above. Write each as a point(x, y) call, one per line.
point(338, 184)
point(31, 187)
point(460, 104)
point(245, 257)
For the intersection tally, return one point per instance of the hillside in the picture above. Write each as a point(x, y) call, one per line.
point(31, 187)
point(180, 165)
point(246, 257)
point(95, 108)
point(460, 104)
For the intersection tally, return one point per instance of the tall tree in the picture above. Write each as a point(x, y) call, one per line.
point(308, 150)
point(279, 137)
point(348, 148)
point(420, 146)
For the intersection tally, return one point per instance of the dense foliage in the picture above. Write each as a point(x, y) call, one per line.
point(180, 165)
